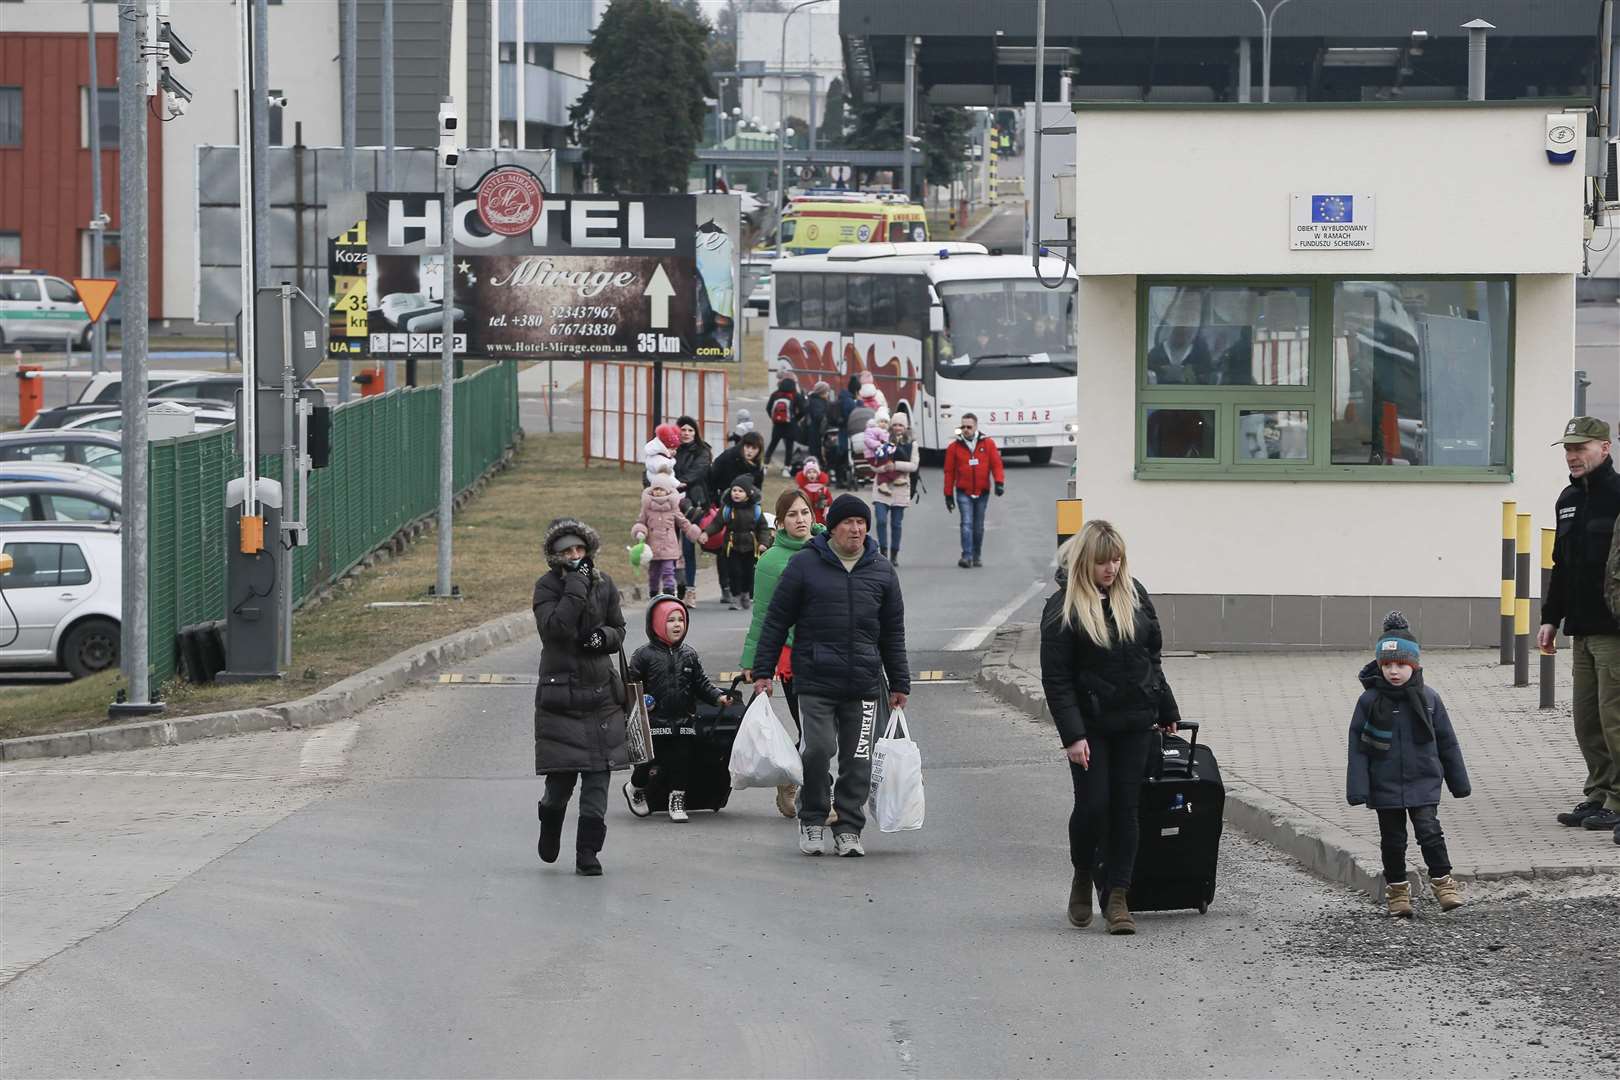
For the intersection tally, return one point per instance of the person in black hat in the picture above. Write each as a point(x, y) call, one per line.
point(841, 600)
point(1586, 515)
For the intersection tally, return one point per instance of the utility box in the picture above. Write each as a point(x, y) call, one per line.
point(169, 420)
point(252, 584)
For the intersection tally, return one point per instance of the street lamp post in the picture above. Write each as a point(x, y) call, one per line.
point(1266, 22)
point(781, 125)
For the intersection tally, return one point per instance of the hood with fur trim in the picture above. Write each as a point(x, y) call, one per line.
point(565, 526)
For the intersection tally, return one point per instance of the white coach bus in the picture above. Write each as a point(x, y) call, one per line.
point(945, 329)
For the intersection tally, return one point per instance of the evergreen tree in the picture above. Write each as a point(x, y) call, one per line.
point(834, 120)
point(641, 118)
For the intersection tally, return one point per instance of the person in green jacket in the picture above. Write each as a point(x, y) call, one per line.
point(795, 525)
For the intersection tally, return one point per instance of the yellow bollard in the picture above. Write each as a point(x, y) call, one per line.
point(1509, 530)
point(1521, 603)
point(1548, 658)
point(1071, 515)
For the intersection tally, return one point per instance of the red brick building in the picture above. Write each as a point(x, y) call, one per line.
point(45, 193)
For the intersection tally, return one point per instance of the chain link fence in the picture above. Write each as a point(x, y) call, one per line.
point(383, 474)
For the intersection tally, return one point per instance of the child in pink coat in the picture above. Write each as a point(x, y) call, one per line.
point(662, 524)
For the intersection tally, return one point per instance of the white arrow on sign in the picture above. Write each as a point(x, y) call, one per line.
point(660, 290)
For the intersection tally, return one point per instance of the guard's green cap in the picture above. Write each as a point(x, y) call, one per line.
point(1584, 429)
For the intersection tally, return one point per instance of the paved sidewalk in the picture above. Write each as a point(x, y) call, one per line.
point(1279, 724)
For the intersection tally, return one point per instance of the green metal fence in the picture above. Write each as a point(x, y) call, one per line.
point(384, 473)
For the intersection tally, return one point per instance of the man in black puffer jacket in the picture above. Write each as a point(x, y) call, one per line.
point(841, 599)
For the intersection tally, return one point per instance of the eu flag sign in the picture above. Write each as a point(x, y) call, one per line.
point(1333, 209)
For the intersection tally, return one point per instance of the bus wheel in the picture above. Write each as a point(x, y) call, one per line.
point(1041, 455)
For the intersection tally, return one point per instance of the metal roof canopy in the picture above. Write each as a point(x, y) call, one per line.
point(979, 52)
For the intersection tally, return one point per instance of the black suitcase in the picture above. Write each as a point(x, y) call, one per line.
point(1182, 803)
point(709, 786)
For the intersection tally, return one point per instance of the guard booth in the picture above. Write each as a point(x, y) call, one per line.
point(1318, 345)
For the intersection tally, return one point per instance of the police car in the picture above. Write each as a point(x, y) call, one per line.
point(37, 308)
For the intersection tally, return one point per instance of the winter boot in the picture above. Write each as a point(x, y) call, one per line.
point(883, 551)
point(551, 823)
point(787, 796)
point(1398, 898)
point(1118, 914)
point(677, 806)
point(1080, 900)
point(588, 841)
point(1445, 892)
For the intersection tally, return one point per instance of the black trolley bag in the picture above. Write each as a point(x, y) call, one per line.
point(709, 785)
point(1180, 815)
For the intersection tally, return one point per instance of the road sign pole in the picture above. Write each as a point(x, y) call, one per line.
point(98, 268)
point(132, 112)
point(447, 389)
point(289, 463)
point(347, 44)
point(390, 374)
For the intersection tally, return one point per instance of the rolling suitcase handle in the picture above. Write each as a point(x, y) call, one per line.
point(1192, 745)
point(736, 681)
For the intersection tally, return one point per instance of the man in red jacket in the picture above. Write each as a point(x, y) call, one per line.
point(972, 464)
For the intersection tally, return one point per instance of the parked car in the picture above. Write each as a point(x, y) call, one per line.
point(68, 416)
point(104, 387)
point(207, 416)
point(51, 491)
point(37, 308)
point(97, 449)
point(61, 598)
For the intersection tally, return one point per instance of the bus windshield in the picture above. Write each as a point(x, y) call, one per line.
point(1015, 329)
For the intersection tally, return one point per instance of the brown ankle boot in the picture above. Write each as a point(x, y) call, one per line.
point(1399, 900)
point(1080, 900)
point(1118, 914)
point(1445, 892)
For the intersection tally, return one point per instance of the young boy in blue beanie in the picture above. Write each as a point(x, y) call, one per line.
point(1401, 746)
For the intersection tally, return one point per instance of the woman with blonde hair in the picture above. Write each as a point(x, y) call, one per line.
point(1100, 667)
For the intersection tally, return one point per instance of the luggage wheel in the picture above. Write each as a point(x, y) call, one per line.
point(1203, 908)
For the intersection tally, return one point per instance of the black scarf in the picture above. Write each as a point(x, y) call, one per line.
point(1389, 696)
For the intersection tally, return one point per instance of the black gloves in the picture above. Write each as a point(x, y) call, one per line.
point(593, 640)
point(1001, 489)
point(585, 566)
point(950, 503)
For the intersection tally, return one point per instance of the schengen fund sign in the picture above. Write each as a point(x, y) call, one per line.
point(540, 275)
point(1331, 222)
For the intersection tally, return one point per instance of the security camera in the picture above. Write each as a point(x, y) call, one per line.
point(179, 51)
point(173, 87)
point(278, 101)
point(177, 105)
point(448, 121)
point(449, 156)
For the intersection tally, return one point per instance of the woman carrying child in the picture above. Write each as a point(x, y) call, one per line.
point(889, 501)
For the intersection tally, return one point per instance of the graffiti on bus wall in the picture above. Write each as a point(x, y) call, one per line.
point(893, 362)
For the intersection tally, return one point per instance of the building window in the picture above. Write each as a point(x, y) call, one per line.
point(1325, 378)
point(540, 55)
point(107, 106)
point(10, 249)
point(10, 116)
point(508, 52)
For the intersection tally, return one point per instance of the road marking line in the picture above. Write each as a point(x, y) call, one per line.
point(972, 639)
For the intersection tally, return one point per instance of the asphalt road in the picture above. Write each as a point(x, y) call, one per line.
point(366, 901)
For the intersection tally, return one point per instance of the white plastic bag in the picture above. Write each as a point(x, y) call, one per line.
point(897, 785)
point(763, 754)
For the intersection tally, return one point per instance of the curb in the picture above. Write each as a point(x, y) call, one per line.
point(337, 702)
point(1324, 849)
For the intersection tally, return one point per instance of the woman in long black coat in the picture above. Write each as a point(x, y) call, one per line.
point(1101, 670)
point(692, 461)
point(579, 706)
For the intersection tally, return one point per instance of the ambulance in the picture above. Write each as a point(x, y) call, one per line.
point(815, 223)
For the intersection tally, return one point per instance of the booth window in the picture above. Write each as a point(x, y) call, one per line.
point(1325, 378)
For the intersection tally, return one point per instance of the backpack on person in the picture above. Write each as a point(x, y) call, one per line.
point(781, 411)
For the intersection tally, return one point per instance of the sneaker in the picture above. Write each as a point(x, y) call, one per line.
point(894, 560)
point(787, 474)
point(734, 604)
point(637, 798)
point(748, 601)
point(812, 839)
point(977, 562)
point(725, 596)
point(964, 562)
point(1602, 819)
point(677, 806)
point(847, 845)
point(1582, 811)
